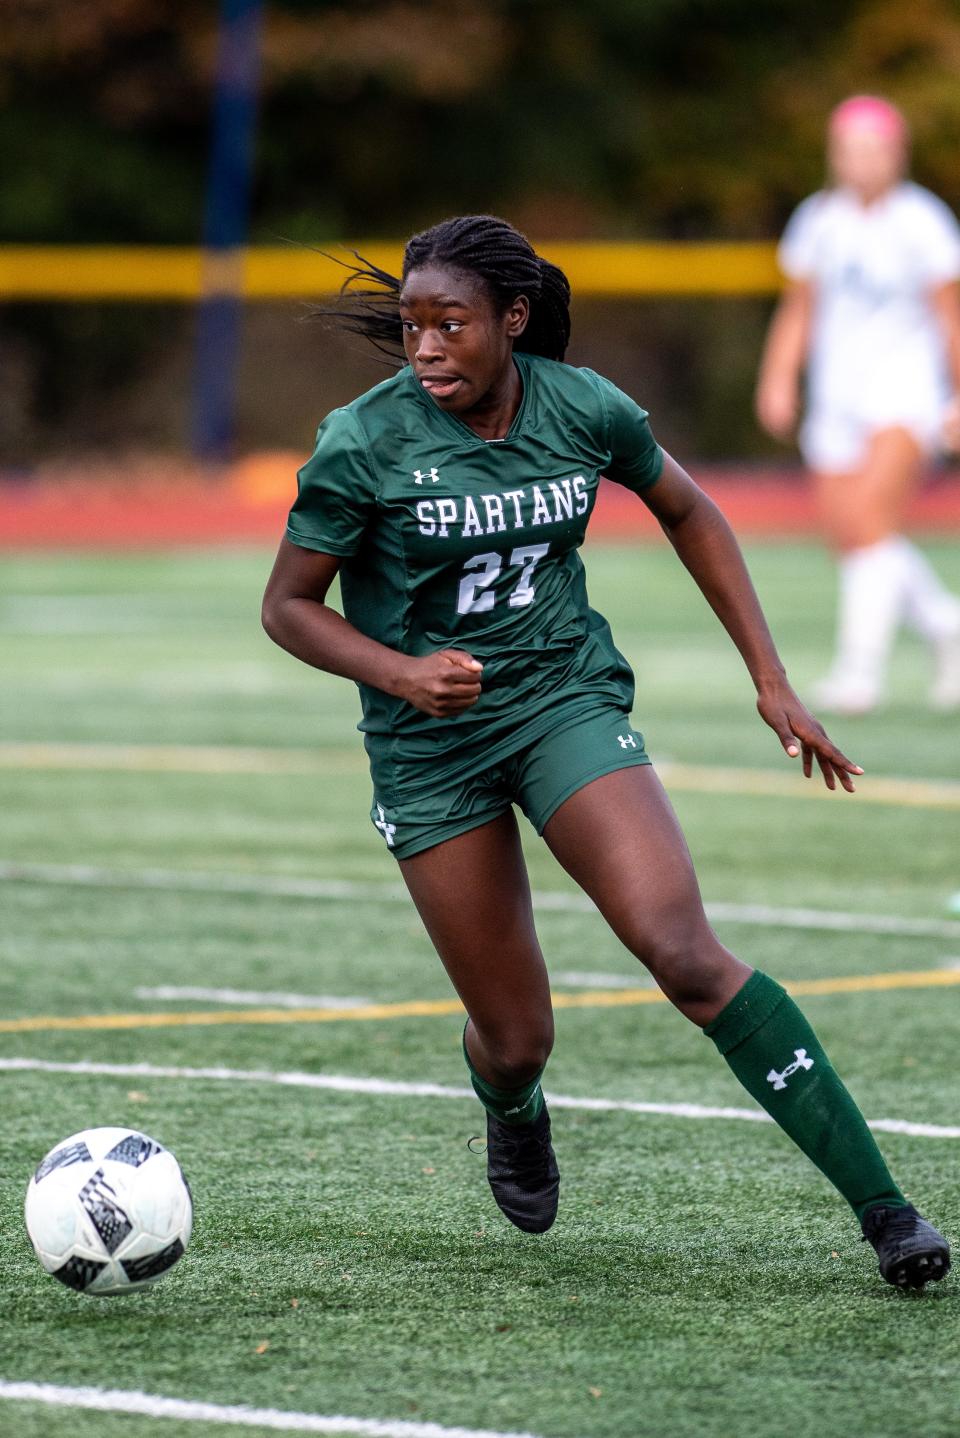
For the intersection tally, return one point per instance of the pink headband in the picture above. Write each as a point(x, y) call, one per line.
point(869, 112)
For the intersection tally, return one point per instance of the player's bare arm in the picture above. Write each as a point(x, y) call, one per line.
point(778, 387)
point(945, 303)
point(708, 548)
point(296, 616)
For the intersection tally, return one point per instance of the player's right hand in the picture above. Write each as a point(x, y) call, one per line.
point(442, 684)
point(778, 405)
point(950, 426)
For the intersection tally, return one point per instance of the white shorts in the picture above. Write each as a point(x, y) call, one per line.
point(835, 441)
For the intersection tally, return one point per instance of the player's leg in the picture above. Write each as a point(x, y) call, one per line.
point(894, 469)
point(866, 504)
point(862, 514)
point(619, 840)
point(883, 577)
point(473, 895)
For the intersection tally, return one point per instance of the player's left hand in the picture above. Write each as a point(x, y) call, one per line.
point(800, 733)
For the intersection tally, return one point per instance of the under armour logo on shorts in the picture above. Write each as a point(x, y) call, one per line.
point(432, 474)
point(801, 1061)
point(626, 741)
point(386, 829)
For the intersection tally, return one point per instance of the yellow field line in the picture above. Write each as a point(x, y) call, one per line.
point(786, 783)
point(177, 273)
point(423, 1008)
point(176, 758)
point(878, 983)
point(789, 784)
point(417, 1008)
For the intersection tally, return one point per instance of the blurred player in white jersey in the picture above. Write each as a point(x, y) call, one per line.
point(872, 311)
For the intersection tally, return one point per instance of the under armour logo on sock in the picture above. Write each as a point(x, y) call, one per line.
point(626, 741)
point(801, 1061)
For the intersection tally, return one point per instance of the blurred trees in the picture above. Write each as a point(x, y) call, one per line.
point(619, 118)
point(625, 117)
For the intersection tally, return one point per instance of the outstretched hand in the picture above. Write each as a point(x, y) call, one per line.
point(800, 733)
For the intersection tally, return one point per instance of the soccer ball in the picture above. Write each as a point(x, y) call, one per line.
point(108, 1210)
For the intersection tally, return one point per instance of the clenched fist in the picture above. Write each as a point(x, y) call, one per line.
point(442, 684)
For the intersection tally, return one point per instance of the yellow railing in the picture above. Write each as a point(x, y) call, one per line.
point(600, 269)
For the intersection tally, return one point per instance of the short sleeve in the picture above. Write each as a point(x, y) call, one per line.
point(797, 251)
point(938, 234)
point(336, 490)
point(635, 457)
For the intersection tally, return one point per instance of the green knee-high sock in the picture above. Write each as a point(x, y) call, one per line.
point(509, 1105)
point(779, 1060)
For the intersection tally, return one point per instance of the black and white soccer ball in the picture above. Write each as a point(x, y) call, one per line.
point(108, 1211)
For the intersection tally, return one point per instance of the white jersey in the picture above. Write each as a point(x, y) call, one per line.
point(876, 351)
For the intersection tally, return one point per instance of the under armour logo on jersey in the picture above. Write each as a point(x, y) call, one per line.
point(801, 1061)
point(420, 475)
point(387, 830)
point(626, 741)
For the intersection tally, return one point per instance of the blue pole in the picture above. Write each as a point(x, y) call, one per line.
point(226, 214)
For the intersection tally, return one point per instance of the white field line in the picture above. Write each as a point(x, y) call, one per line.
point(272, 885)
point(397, 1088)
point(582, 979)
point(150, 1405)
point(288, 887)
point(832, 919)
point(253, 997)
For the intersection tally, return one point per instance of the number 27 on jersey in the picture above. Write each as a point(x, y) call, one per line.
point(475, 596)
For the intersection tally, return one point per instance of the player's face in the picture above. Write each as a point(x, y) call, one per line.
point(459, 345)
point(866, 160)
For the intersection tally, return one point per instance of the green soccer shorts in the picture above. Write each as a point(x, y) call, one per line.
point(538, 778)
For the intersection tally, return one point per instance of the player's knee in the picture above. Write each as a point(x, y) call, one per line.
point(695, 984)
point(664, 938)
point(685, 958)
point(519, 1055)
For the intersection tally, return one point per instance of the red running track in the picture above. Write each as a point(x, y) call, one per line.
point(248, 506)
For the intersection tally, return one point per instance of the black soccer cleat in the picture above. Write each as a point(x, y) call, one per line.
point(910, 1250)
point(522, 1171)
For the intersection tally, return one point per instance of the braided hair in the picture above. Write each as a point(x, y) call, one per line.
point(482, 246)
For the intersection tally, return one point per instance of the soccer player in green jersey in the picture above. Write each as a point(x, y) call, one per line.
point(452, 499)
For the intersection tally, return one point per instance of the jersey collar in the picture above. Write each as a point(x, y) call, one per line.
point(464, 431)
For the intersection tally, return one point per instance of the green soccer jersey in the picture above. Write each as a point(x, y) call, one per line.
point(452, 541)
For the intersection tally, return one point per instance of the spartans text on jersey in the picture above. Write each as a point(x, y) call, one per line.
point(503, 512)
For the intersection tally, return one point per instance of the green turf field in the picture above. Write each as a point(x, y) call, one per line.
point(347, 1258)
